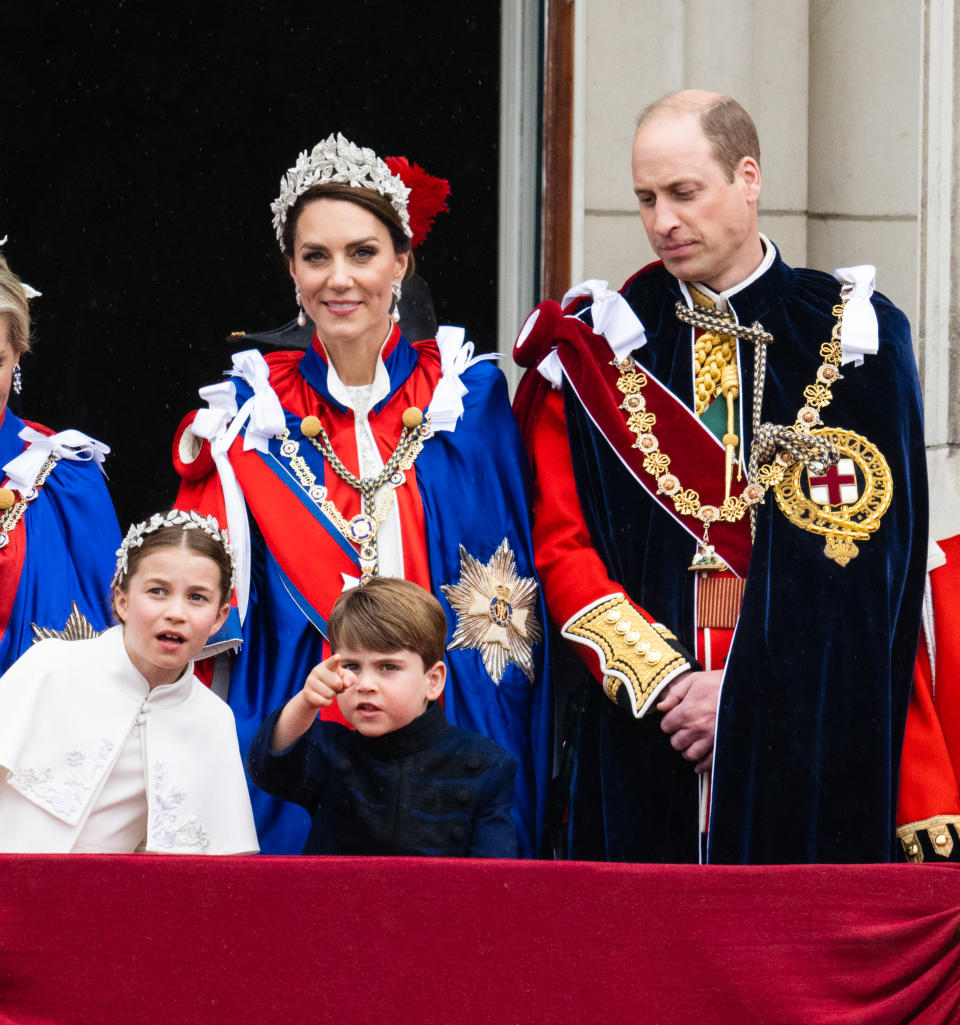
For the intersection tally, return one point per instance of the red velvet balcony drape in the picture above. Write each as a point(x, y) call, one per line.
point(94, 940)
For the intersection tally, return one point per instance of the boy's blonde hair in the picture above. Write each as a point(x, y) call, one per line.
point(387, 615)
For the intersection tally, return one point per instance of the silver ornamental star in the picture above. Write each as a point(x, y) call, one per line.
point(76, 628)
point(495, 612)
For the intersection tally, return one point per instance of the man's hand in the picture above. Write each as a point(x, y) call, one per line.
point(324, 683)
point(690, 707)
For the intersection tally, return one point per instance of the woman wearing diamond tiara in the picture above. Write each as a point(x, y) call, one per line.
point(368, 455)
point(58, 530)
point(110, 745)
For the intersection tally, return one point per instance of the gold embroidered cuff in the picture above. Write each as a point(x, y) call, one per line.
point(935, 837)
point(636, 658)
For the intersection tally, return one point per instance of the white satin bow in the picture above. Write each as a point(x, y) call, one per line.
point(859, 335)
point(456, 357)
point(612, 317)
point(24, 469)
point(262, 409)
point(220, 424)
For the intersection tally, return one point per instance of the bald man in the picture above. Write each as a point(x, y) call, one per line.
point(730, 510)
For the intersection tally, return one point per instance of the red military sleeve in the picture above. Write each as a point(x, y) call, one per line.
point(928, 802)
point(624, 648)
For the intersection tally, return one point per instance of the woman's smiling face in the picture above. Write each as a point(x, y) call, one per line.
point(344, 264)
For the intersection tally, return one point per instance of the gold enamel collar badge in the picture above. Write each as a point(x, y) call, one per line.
point(844, 504)
point(496, 612)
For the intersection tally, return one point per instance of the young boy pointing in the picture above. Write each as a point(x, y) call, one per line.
point(403, 781)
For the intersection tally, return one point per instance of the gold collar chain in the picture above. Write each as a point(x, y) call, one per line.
point(782, 446)
point(360, 530)
point(12, 508)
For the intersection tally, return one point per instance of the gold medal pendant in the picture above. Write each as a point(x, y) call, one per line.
point(846, 503)
point(706, 560)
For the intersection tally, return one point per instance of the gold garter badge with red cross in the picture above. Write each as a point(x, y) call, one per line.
point(846, 502)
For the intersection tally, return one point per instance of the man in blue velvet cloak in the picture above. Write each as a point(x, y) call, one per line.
point(730, 511)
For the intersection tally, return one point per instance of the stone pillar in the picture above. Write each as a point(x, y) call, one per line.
point(864, 142)
point(939, 264)
point(755, 51)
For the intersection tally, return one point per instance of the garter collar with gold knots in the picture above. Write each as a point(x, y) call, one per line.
point(27, 472)
point(443, 414)
point(189, 520)
point(360, 530)
point(784, 452)
point(12, 508)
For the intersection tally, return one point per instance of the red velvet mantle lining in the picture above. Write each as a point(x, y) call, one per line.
point(91, 940)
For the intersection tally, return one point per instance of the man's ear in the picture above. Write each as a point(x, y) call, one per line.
point(436, 678)
point(748, 172)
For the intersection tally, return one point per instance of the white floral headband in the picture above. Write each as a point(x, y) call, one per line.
point(175, 518)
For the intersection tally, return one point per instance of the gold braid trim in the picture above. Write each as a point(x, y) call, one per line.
point(936, 829)
point(631, 650)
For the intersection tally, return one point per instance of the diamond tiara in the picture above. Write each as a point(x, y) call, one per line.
point(337, 160)
point(174, 518)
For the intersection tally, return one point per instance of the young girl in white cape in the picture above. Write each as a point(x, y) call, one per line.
point(111, 744)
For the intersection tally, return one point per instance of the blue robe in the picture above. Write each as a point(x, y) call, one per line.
point(63, 550)
point(472, 489)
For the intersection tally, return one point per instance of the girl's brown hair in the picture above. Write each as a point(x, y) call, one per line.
point(190, 539)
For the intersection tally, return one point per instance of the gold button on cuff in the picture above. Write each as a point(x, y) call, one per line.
point(633, 649)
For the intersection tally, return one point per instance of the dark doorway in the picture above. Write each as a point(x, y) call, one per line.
point(140, 147)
